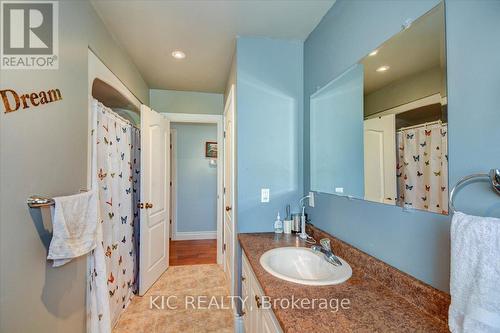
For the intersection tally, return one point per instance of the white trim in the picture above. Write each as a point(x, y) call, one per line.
point(429, 100)
point(218, 120)
point(193, 118)
point(173, 188)
point(187, 235)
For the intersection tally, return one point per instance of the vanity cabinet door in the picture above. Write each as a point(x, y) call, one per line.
point(249, 313)
point(269, 322)
point(266, 320)
point(255, 318)
point(245, 295)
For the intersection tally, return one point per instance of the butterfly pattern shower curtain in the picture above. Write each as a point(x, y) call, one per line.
point(422, 168)
point(117, 167)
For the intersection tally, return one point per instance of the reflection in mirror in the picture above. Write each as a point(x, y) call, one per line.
point(336, 163)
point(386, 140)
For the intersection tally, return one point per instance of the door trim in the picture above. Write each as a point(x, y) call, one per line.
point(218, 120)
point(173, 180)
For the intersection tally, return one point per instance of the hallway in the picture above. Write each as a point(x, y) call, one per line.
point(182, 284)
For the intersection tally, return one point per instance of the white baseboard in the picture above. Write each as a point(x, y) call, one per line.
point(194, 235)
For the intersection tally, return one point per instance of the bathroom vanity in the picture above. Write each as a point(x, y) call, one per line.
point(256, 318)
point(377, 298)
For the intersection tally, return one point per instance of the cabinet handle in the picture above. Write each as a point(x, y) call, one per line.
point(149, 205)
point(243, 313)
point(243, 278)
point(258, 301)
point(228, 208)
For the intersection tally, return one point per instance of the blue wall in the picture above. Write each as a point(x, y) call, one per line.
point(337, 133)
point(196, 179)
point(269, 129)
point(416, 242)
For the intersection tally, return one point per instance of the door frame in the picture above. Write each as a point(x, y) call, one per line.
point(173, 186)
point(218, 120)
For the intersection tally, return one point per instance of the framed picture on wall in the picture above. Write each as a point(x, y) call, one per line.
point(211, 149)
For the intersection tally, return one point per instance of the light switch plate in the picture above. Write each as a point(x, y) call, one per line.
point(264, 195)
point(311, 199)
point(339, 190)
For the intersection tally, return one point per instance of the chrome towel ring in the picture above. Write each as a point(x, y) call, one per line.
point(493, 177)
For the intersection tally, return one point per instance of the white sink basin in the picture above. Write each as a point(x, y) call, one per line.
point(302, 265)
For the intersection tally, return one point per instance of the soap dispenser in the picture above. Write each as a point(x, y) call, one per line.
point(278, 225)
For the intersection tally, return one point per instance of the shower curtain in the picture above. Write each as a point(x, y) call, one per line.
point(422, 168)
point(117, 170)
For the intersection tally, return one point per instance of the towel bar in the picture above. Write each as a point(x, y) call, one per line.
point(37, 201)
point(493, 177)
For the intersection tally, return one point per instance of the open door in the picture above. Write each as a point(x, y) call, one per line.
point(229, 228)
point(380, 159)
point(155, 201)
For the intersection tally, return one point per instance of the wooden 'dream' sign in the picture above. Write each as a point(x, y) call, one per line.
point(12, 101)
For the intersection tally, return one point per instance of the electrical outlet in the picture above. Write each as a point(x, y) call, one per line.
point(311, 199)
point(339, 190)
point(264, 195)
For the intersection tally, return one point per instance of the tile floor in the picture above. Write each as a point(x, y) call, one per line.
point(190, 285)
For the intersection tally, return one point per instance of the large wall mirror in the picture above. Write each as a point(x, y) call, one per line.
point(379, 130)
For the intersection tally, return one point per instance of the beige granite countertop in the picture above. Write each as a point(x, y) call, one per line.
point(373, 306)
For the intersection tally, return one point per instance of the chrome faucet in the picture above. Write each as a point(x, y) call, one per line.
point(326, 249)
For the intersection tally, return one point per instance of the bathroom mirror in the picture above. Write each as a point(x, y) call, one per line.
point(378, 131)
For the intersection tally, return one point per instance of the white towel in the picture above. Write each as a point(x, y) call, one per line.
point(74, 223)
point(475, 274)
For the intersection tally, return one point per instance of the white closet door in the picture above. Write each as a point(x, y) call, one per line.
point(380, 159)
point(155, 197)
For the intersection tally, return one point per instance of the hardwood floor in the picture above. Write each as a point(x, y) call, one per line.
point(193, 252)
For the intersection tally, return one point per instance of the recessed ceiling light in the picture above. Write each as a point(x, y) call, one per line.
point(372, 53)
point(178, 54)
point(382, 68)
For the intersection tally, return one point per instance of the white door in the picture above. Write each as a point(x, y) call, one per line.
point(380, 159)
point(155, 201)
point(229, 231)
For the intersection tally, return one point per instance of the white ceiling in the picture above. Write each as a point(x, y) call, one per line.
point(205, 30)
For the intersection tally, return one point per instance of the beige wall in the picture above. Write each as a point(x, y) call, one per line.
point(174, 101)
point(405, 90)
point(43, 150)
